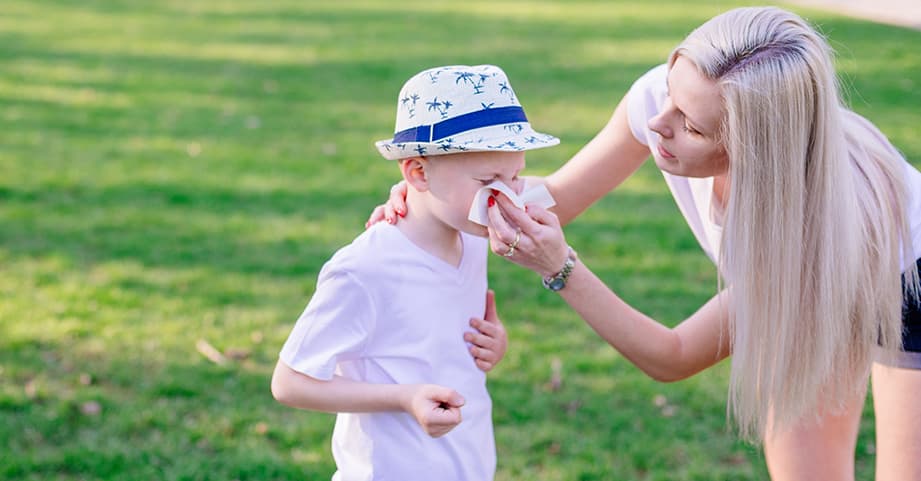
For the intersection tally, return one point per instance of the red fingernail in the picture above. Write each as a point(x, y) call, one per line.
point(402, 213)
point(491, 202)
point(494, 191)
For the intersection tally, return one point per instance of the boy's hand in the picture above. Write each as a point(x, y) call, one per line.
point(436, 408)
point(490, 341)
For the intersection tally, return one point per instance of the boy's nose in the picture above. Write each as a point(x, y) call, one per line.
point(517, 185)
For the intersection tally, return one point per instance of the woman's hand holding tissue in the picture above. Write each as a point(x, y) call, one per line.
point(540, 247)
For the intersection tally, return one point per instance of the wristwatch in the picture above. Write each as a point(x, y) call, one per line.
point(558, 281)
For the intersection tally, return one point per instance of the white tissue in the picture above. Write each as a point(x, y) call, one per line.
point(538, 195)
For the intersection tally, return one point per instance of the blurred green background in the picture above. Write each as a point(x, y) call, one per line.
point(173, 175)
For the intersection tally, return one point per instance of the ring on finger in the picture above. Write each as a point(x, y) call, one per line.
point(514, 243)
point(511, 251)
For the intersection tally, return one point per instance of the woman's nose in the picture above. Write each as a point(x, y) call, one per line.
point(657, 124)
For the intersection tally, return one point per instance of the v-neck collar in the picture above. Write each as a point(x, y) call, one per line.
point(435, 261)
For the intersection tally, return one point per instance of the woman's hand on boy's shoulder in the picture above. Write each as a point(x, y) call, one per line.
point(490, 341)
point(393, 209)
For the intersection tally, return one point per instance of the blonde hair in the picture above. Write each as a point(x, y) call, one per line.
point(815, 223)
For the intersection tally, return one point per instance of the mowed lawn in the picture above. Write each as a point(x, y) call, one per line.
point(173, 174)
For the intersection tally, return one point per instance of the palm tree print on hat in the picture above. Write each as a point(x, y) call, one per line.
point(483, 78)
point(463, 76)
point(463, 147)
point(433, 76)
point(467, 78)
point(411, 107)
point(446, 101)
point(510, 143)
point(440, 107)
point(505, 89)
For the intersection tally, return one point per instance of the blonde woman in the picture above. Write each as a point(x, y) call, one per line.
point(814, 222)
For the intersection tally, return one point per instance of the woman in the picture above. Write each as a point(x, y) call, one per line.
point(810, 215)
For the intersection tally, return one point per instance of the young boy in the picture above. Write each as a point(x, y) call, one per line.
point(382, 341)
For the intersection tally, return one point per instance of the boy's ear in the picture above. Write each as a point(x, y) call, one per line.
point(413, 170)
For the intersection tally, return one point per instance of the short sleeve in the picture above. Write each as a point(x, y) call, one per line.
point(644, 101)
point(335, 326)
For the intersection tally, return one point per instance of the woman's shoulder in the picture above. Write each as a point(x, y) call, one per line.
point(654, 76)
point(651, 86)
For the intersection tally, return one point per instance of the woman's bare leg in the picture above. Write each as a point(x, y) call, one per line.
point(897, 404)
point(816, 450)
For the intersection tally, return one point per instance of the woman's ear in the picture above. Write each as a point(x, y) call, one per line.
point(414, 173)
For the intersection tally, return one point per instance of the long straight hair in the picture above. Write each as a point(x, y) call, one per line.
point(815, 224)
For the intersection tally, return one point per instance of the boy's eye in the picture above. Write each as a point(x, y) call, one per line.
point(493, 179)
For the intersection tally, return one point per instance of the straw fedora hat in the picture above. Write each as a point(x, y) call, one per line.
point(460, 108)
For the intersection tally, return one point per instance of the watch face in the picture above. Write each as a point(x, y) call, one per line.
point(556, 284)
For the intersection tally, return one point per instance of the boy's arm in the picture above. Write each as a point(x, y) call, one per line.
point(435, 408)
point(298, 390)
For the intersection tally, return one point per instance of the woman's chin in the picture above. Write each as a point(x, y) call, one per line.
point(663, 164)
point(670, 166)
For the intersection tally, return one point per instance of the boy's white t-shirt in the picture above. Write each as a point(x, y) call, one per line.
point(694, 196)
point(386, 311)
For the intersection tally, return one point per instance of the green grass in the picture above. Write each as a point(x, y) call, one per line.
point(180, 170)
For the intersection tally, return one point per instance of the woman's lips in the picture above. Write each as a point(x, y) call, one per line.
point(664, 153)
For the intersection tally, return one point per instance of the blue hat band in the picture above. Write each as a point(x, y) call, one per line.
point(461, 123)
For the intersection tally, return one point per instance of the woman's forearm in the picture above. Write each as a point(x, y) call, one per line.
point(603, 164)
point(662, 353)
